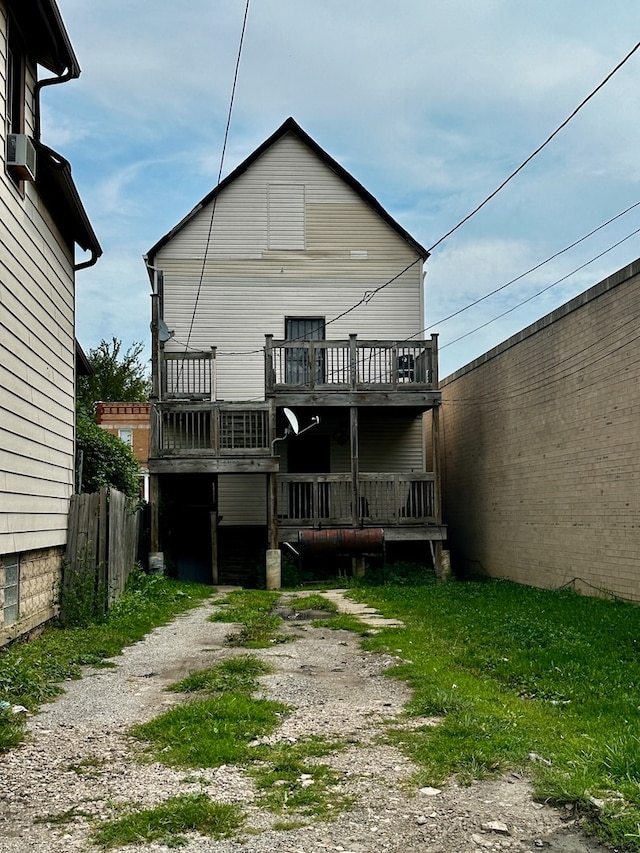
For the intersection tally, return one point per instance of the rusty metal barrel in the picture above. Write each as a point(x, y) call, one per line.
point(348, 541)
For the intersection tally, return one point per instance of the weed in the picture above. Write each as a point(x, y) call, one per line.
point(251, 610)
point(516, 672)
point(313, 602)
point(344, 622)
point(168, 821)
point(32, 672)
point(83, 592)
point(237, 674)
point(290, 783)
point(210, 732)
point(87, 766)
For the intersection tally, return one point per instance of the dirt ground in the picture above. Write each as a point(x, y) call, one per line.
point(78, 763)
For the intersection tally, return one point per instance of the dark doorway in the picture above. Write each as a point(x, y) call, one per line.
point(187, 504)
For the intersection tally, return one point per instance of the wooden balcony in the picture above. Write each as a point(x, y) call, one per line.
point(382, 500)
point(303, 372)
point(208, 437)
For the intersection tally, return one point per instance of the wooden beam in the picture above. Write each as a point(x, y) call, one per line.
point(211, 465)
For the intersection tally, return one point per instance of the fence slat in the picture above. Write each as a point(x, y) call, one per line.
point(102, 538)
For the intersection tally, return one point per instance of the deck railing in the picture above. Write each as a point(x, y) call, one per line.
point(216, 429)
point(307, 365)
point(350, 365)
point(188, 375)
point(382, 499)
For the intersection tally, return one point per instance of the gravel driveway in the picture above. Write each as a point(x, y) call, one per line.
point(80, 761)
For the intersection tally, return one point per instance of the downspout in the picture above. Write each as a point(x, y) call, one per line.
point(71, 73)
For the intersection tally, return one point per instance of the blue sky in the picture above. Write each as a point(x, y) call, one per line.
point(430, 105)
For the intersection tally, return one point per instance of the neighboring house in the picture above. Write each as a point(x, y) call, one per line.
point(41, 221)
point(130, 422)
point(541, 436)
point(290, 289)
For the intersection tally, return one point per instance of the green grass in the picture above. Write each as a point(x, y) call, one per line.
point(210, 732)
point(513, 671)
point(251, 610)
point(344, 622)
point(312, 602)
point(168, 822)
point(291, 784)
point(34, 672)
point(235, 675)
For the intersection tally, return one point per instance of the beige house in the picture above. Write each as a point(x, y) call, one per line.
point(290, 373)
point(41, 222)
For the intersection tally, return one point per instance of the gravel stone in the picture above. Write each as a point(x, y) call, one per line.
point(79, 759)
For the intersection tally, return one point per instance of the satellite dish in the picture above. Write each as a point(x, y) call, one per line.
point(293, 421)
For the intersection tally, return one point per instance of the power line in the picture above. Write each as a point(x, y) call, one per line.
point(544, 289)
point(538, 149)
point(524, 274)
point(222, 156)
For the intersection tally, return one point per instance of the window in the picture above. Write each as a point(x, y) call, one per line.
point(126, 435)
point(10, 589)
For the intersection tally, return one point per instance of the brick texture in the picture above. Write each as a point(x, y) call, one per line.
point(541, 448)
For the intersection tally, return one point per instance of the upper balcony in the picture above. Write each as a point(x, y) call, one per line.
point(337, 373)
point(318, 372)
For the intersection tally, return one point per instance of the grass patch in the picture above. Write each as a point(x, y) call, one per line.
point(251, 610)
point(210, 732)
point(344, 622)
point(33, 672)
point(313, 602)
point(515, 671)
point(235, 675)
point(168, 822)
point(291, 784)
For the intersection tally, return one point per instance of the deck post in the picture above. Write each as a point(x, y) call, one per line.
point(272, 486)
point(355, 466)
point(353, 361)
point(154, 503)
point(214, 531)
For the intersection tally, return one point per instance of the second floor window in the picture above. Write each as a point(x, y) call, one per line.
point(126, 435)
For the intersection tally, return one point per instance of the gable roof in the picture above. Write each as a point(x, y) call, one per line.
point(291, 126)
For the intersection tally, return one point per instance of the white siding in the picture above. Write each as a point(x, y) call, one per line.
point(37, 352)
point(242, 499)
point(247, 288)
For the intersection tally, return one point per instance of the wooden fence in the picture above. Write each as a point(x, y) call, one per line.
point(102, 544)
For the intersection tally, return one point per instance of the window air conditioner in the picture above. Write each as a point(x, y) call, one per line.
point(21, 156)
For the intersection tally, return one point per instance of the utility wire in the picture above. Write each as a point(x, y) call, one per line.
point(540, 292)
point(222, 156)
point(538, 149)
point(528, 272)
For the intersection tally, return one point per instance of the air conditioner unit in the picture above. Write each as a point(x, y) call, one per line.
point(21, 156)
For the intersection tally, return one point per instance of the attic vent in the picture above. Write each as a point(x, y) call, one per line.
point(21, 156)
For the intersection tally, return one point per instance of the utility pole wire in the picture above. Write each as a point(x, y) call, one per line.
point(538, 149)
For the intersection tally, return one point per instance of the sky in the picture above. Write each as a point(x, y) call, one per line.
point(430, 104)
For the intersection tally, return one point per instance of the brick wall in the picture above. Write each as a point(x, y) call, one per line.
point(541, 448)
point(40, 573)
point(134, 416)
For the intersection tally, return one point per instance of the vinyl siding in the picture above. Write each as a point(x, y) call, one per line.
point(37, 352)
point(247, 289)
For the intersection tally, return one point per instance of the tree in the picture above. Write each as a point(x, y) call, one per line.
point(117, 376)
point(105, 460)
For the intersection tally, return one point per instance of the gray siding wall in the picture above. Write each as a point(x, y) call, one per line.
point(36, 359)
point(248, 287)
point(541, 439)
